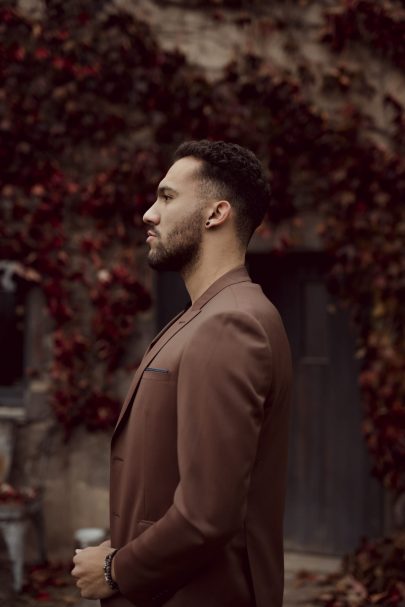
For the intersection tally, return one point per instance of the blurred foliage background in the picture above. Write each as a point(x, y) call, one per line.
point(91, 106)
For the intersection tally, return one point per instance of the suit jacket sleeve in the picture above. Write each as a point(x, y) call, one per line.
point(224, 379)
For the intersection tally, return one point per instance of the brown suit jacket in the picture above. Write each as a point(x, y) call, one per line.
point(198, 460)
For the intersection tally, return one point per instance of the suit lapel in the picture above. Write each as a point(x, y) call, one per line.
point(179, 321)
point(235, 276)
point(165, 328)
point(141, 366)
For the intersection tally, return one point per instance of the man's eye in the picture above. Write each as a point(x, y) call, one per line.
point(166, 197)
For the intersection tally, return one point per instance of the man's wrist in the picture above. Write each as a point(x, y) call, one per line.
point(113, 570)
point(108, 570)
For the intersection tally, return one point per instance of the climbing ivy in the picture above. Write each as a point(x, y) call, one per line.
point(88, 135)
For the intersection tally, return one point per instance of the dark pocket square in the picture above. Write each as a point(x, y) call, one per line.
point(157, 370)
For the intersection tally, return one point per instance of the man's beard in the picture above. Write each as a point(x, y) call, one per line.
point(183, 247)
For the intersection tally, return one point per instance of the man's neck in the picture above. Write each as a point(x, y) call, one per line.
point(199, 278)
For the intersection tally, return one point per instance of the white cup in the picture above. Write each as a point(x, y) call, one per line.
point(89, 536)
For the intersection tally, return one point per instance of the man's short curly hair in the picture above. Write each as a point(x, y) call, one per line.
point(234, 173)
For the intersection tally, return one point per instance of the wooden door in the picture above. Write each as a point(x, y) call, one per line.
point(331, 500)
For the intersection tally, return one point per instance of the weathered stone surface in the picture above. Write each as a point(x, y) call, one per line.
point(6, 448)
point(6, 578)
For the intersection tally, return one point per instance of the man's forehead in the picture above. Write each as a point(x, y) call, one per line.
point(182, 171)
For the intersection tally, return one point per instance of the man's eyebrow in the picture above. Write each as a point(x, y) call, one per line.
point(166, 188)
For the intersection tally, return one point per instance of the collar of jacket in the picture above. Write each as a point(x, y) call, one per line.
point(234, 276)
point(238, 274)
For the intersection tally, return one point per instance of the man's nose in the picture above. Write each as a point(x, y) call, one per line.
point(151, 216)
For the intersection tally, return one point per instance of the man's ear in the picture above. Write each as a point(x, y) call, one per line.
point(218, 213)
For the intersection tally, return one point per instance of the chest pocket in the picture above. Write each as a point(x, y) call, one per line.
point(156, 374)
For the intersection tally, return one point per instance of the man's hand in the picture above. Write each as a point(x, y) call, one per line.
point(89, 571)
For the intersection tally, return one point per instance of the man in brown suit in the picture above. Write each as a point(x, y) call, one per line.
point(198, 456)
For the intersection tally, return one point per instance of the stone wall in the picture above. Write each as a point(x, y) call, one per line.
point(73, 475)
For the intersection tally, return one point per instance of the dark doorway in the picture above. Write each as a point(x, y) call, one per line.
point(171, 297)
point(332, 499)
point(11, 337)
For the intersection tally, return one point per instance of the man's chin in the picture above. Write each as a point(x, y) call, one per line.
point(172, 261)
point(160, 265)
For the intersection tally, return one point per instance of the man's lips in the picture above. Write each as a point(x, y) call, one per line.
point(150, 235)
